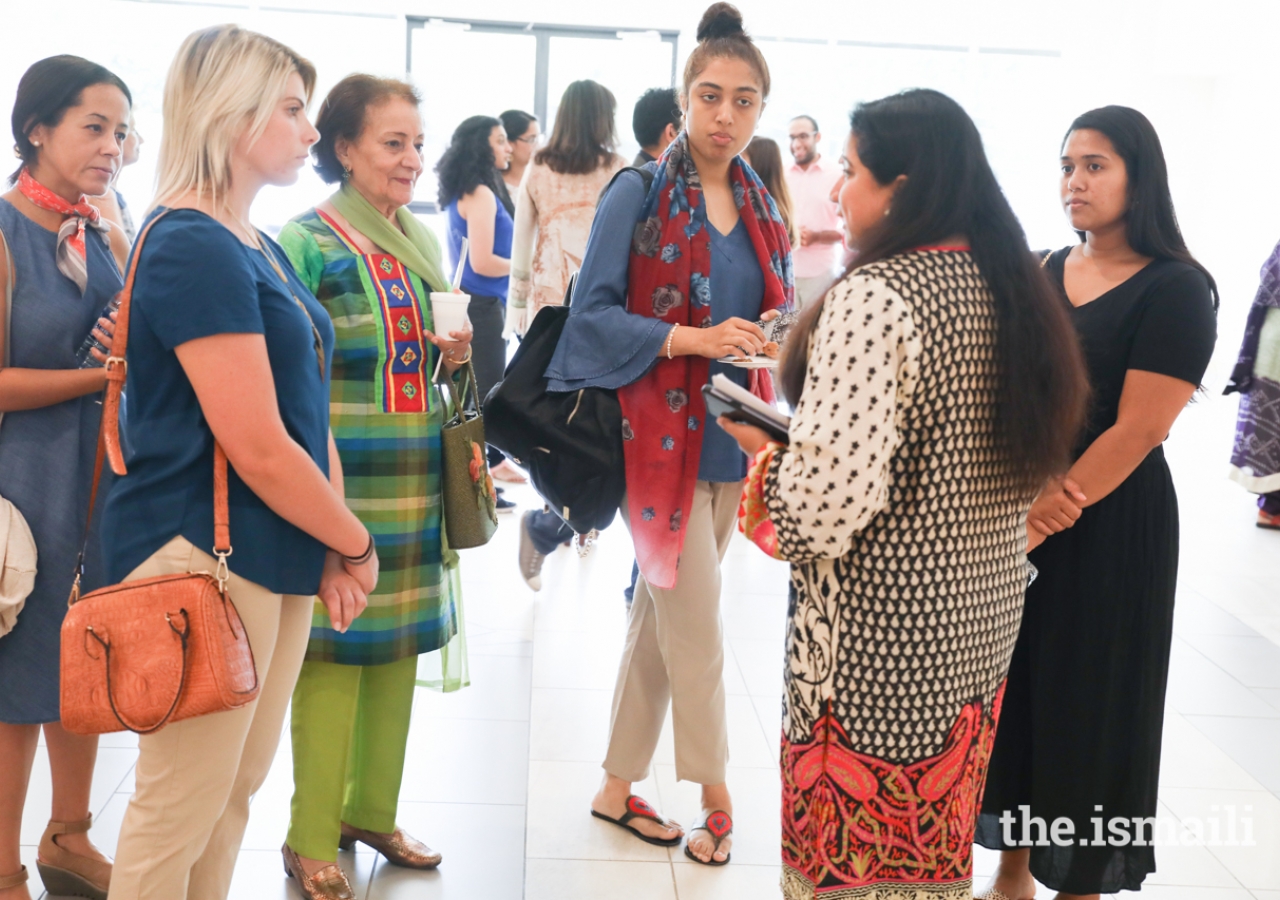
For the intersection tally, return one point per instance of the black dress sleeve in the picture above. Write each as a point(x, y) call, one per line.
point(1178, 329)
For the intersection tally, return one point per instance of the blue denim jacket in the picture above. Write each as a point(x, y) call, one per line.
point(603, 345)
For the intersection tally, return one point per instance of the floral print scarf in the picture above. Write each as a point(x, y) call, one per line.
point(669, 278)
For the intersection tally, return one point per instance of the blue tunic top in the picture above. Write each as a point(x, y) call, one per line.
point(472, 283)
point(603, 345)
point(46, 455)
point(196, 279)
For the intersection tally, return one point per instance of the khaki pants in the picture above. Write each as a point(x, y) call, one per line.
point(674, 653)
point(187, 816)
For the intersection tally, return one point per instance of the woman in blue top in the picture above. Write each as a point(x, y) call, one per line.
point(70, 119)
point(227, 346)
point(470, 192)
point(674, 277)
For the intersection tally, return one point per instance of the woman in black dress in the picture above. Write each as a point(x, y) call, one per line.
point(1079, 737)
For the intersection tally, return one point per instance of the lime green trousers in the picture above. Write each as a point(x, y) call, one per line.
point(350, 728)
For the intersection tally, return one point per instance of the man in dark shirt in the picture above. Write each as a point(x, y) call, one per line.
point(655, 123)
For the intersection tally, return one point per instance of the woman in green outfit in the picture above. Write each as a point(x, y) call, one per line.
point(371, 264)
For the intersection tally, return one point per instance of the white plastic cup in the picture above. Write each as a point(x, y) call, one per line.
point(449, 311)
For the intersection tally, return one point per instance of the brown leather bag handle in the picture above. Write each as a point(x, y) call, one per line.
point(109, 432)
point(184, 639)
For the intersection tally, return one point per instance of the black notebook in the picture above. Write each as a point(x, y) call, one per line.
point(724, 398)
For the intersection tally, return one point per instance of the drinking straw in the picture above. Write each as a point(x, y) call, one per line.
point(462, 261)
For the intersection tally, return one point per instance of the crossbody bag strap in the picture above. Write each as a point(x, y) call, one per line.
point(109, 432)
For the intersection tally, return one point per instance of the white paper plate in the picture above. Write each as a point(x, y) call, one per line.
point(751, 362)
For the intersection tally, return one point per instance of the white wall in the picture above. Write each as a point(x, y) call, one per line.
point(1205, 73)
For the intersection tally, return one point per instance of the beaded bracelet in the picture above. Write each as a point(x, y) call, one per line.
point(670, 337)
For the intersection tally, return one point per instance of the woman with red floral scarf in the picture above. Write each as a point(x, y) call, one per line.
point(674, 277)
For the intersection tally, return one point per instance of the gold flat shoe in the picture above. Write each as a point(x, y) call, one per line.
point(399, 848)
point(330, 883)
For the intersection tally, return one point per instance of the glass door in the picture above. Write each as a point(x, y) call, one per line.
point(463, 73)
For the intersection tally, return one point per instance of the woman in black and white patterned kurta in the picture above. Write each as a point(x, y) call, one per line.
point(905, 527)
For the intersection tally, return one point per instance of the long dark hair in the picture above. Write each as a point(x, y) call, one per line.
point(1151, 226)
point(47, 90)
point(468, 162)
point(583, 138)
point(764, 156)
point(950, 189)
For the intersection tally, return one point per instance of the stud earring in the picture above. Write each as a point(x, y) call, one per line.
point(886, 212)
point(35, 143)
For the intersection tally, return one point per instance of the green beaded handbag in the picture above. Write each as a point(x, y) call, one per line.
point(470, 502)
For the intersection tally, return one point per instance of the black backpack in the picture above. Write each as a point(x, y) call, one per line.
point(569, 442)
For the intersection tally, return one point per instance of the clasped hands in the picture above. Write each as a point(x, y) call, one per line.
point(345, 587)
point(1057, 508)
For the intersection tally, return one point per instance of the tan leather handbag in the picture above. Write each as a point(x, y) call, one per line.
point(142, 654)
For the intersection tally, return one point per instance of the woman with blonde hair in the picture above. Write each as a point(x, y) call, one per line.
point(228, 347)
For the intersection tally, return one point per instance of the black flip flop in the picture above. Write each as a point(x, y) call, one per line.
point(719, 825)
point(638, 808)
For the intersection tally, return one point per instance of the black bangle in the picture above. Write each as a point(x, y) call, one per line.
point(363, 557)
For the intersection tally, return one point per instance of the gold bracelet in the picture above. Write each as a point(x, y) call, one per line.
point(460, 362)
point(670, 337)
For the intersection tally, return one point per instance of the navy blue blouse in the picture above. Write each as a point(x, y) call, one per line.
point(196, 279)
point(603, 345)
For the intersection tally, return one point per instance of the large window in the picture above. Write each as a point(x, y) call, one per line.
point(1018, 98)
point(494, 66)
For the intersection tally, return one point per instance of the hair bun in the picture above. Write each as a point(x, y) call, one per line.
point(721, 20)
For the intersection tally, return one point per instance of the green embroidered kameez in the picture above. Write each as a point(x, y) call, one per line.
point(354, 697)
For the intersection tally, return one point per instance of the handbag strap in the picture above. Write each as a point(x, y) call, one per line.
point(109, 433)
point(459, 397)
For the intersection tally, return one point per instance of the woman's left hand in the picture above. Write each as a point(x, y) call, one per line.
point(749, 438)
point(455, 352)
point(341, 594)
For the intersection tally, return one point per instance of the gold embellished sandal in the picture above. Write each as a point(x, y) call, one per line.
point(330, 883)
point(67, 874)
point(399, 848)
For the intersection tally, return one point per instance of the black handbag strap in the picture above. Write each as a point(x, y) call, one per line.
point(646, 174)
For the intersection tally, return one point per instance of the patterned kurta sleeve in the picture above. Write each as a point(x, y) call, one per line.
point(808, 500)
point(305, 254)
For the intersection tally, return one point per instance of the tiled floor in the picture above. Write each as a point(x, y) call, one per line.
point(500, 775)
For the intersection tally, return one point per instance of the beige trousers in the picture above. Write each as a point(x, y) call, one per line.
point(187, 816)
point(674, 654)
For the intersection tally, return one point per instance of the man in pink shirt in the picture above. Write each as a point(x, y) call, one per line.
point(810, 181)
